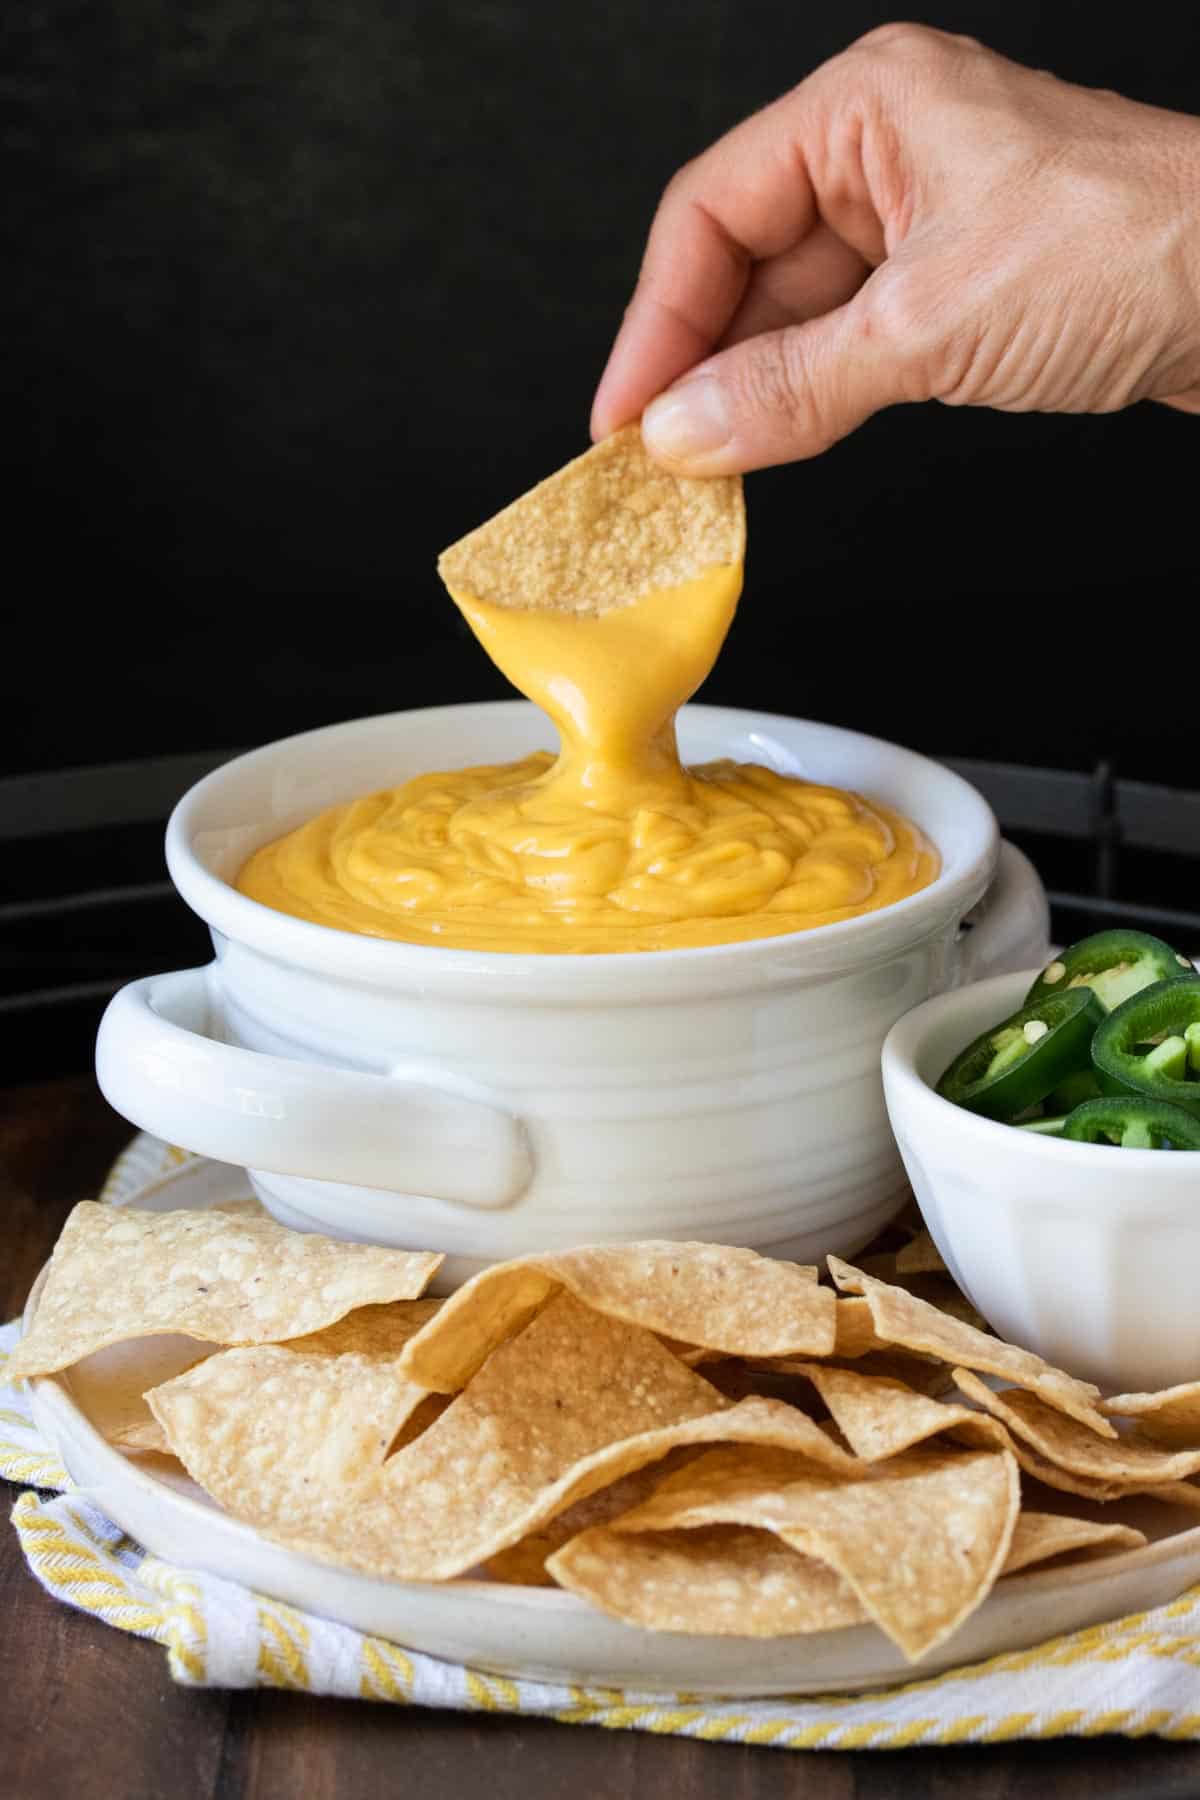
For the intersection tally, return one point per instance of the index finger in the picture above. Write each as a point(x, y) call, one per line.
point(749, 197)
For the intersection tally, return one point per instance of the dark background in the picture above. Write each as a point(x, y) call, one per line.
point(292, 295)
point(295, 294)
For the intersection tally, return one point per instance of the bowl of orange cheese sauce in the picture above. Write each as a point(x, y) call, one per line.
point(597, 965)
point(612, 846)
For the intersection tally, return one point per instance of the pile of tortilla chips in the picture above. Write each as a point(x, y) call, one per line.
point(692, 1438)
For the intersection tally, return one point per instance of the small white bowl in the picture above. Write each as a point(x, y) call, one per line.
point(1086, 1254)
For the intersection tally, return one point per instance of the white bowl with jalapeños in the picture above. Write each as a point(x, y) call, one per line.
point(1046, 1122)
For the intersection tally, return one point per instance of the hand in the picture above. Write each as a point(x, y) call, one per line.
point(920, 219)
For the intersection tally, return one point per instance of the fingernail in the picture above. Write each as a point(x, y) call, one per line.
point(689, 423)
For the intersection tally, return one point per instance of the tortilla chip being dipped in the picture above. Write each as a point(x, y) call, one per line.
point(603, 531)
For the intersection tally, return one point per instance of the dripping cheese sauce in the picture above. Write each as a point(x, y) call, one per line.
point(611, 845)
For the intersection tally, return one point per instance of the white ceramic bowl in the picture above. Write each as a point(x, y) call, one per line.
point(1087, 1254)
point(488, 1104)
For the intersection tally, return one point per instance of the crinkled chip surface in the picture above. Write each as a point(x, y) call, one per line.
point(117, 1274)
point(571, 1405)
point(141, 1434)
point(724, 1580)
point(880, 1417)
point(732, 1579)
point(603, 531)
point(899, 1317)
point(1171, 1416)
point(286, 1440)
point(1040, 1536)
point(919, 1539)
point(1072, 1446)
point(705, 1295)
point(748, 1583)
point(524, 1563)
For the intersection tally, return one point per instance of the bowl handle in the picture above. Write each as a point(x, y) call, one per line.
point(417, 1133)
point(1010, 927)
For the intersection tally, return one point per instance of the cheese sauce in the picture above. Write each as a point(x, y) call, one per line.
point(612, 845)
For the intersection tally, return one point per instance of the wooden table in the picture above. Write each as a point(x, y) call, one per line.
point(86, 1711)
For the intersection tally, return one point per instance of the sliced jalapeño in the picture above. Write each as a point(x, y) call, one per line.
point(1133, 1123)
point(1016, 1064)
point(1114, 964)
point(1148, 1045)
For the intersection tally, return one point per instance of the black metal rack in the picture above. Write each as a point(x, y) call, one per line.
point(86, 906)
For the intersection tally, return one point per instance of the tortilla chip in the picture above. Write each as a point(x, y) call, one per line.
point(574, 1403)
point(283, 1438)
point(854, 1329)
point(920, 1256)
point(738, 1581)
point(1171, 1493)
point(942, 1293)
point(938, 1289)
point(500, 1459)
point(1041, 1536)
point(1172, 1416)
point(375, 1331)
point(118, 1274)
point(880, 1418)
point(141, 1434)
point(1071, 1446)
point(919, 1539)
point(603, 531)
point(379, 1331)
point(901, 1318)
point(428, 1410)
point(691, 1354)
point(925, 1374)
point(524, 1563)
point(731, 1301)
point(719, 1580)
point(1040, 1468)
point(364, 1404)
point(739, 1380)
point(920, 1374)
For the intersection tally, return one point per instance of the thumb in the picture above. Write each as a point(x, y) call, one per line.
point(778, 397)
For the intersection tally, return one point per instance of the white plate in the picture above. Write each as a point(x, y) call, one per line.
point(541, 1633)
